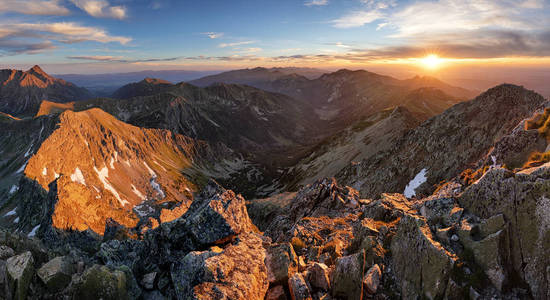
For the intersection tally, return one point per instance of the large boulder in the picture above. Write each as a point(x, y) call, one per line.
point(56, 274)
point(299, 289)
point(421, 264)
point(100, 282)
point(523, 200)
point(281, 262)
point(348, 275)
point(236, 272)
point(20, 271)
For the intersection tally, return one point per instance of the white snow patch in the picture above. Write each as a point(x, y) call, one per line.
point(157, 187)
point(55, 175)
point(138, 193)
point(22, 167)
point(150, 170)
point(14, 189)
point(33, 231)
point(103, 174)
point(419, 179)
point(45, 171)
point(78, 177)
point(16, 220)
point(128, 163)
point(112, 163)
point(10, 213)
point(29, 151)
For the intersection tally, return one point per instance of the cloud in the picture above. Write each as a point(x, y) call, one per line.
point(34, 7)
point(213, 35)
point(357, 19)
point(316, 3)
point(19, 38)
point(68, 32)
point(101, 9)
point(15, 47)
point(120, 59)
point(225, 45)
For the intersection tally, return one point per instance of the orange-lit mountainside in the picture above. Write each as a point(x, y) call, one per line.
point(280, 183)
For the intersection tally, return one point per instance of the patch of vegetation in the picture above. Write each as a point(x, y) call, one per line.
point(536, 159)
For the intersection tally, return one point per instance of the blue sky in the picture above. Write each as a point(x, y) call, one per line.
point(90, 36)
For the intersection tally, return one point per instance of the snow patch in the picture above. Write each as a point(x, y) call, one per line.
point(29, 151)
point(138, 193)
point(103, 174)
point(11, 212)
point(55, 175)
point(78, 177)
point(13, 189)
point(22, 167)
point(16, 220)
point(33, 231)
point(150, 170)
point(157, 187)
point(419, 179)
point(45, 171)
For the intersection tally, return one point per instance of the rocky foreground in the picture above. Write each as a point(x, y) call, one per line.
point(486, 240)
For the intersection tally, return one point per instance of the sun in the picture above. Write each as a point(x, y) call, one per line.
point(431, 61)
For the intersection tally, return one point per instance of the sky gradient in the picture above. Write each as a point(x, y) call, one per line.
point(98, 36)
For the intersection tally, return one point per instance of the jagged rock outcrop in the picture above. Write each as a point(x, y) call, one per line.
point(22, 91)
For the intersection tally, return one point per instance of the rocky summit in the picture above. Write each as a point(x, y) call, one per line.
point(345, 185)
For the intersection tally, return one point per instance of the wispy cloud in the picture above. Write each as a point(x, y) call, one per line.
point(213, 35)
point(357, 19)
point(225, 45)
point(120, 59)
point(101, 9)
point(34, 7)
point(18, 38)
point(316, 2)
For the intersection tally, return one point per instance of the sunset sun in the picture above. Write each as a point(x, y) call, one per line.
point(432, 61)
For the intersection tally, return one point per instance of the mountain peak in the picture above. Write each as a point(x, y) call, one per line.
point(151, 80)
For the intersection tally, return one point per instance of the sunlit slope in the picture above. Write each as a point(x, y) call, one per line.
point(106, 168)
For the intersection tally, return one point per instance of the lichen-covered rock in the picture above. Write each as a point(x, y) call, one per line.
point(20, 271)
point(236, 272)
point(347, 276)
point(5, 292)
point(318, 276)
point(421, 264)
point(56, 274)
point(522, 199)
point(6, 252)
point(298, 287)
point(217, 214)
point(100, 282)
point(281, 262)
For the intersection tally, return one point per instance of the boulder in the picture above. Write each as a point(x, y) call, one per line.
point(281, 262)
point(6, 252)
point(276, 293)
point(522, 199)
point(100, 282)
point(4, 285)
point(56, 274)
point(298, 287)
point(216, 216)
point(318, 276)
point(371, 281)
point(148, 280)
point(430, 272)
point(20, 270)
point(236, 272)
point(347, 276)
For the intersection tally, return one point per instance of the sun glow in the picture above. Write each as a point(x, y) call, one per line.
point(431, 61)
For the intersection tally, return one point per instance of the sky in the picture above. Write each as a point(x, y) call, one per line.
point(101, 36)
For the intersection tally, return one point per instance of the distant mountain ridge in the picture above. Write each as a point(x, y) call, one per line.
point(21, 92)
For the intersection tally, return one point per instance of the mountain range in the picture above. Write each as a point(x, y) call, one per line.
point(283, 183)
